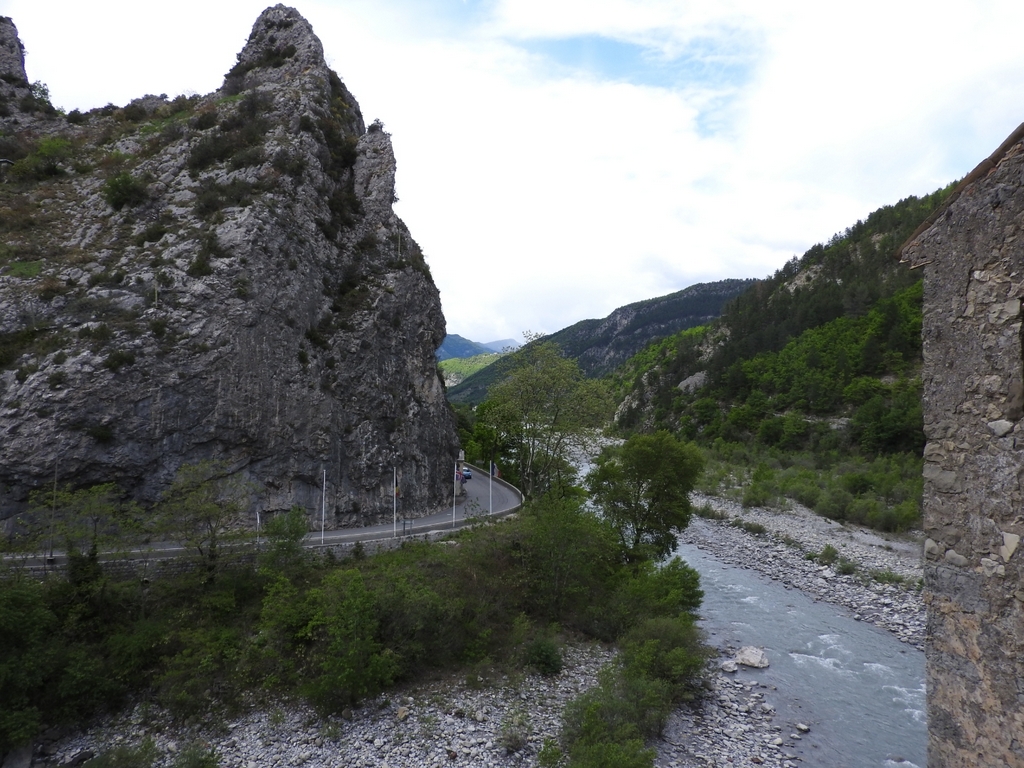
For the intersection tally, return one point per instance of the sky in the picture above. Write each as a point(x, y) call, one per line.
point(561, 158)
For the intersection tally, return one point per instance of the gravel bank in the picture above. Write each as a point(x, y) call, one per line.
point(451, 723)
point(781, 556)
point(468, 723)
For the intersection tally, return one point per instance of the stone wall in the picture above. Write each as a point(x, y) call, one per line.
point(972, 255)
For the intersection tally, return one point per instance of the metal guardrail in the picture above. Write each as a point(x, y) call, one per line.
point(408, 530)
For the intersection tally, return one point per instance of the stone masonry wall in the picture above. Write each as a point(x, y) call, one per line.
point(973, 262)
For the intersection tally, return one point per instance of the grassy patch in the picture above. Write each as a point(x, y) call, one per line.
point(24, 269)
point(888, 576)
point(709, 513)
point(748, 526)
point(830, 556)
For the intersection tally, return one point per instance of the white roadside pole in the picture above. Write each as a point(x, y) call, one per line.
point(455, 489)
point(323, 509)
point(394, 494)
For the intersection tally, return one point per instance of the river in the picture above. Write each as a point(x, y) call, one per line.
point(859, 689)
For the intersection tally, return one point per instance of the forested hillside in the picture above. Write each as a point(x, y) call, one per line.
point(456, 369)
point(815, 368)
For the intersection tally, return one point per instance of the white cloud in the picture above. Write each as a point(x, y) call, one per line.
point(543, 195)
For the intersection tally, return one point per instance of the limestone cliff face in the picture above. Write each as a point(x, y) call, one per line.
point(218, 277)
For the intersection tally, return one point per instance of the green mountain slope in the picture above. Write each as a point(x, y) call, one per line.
point(821, 359)
point(852, 281)
point(456, 369)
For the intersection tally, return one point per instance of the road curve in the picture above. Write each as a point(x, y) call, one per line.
point(484, 497)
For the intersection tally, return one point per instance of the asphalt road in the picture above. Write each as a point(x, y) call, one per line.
point(478, 502)
point(482, 498)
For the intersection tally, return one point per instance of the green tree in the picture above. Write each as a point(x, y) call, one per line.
point(86, 520)
point(542, 411)
point(202, 511)
point(350, 662)
point(569, 555)
point(643, 487)
point(29, 659)
point(284, 534)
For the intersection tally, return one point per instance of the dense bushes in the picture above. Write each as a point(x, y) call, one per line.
point(883, 492)
point(661, 663)
point(46, 161)
point(337, 632)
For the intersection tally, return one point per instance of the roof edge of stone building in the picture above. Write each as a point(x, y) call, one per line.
point(979, 171)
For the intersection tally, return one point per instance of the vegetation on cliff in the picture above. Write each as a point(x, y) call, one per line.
point(216, 276)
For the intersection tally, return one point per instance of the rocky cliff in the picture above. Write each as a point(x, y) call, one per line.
point(218, 277)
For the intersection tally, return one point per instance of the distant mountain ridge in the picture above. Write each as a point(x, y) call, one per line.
point(459, 346)
point(599, 346)
point(502, 345)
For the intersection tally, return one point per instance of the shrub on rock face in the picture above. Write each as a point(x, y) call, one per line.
point(200, 266)
point(124, 189)
point(45, 162)
point(118, 359)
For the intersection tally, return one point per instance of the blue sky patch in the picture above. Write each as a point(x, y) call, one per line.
point(704, 63)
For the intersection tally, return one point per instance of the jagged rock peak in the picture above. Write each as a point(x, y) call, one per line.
point(257, 300)
point(12, 52)
point(282, 44)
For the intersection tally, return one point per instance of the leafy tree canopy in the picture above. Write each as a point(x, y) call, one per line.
point(541, 414)
point(643, 488)
point(201, 510)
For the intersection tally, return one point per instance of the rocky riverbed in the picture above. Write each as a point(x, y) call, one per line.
point(780, 554)
point(500, 723)
point(504, 722)
point(737, 724)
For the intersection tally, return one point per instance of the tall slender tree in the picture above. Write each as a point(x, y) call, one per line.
point(543, 412)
